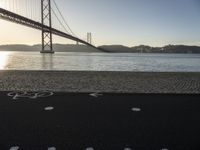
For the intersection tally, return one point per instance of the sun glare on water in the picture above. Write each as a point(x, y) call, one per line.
point(3, 60)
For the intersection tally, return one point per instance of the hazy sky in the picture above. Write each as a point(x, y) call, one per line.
point(127, 22)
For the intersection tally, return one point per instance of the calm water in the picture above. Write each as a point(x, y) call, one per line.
point(100, 61)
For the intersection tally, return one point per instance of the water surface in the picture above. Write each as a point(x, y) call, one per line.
point(100, 62)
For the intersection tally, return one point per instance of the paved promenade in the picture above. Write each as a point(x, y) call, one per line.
point(99, 110)
point(107, 82)
point(89, 121)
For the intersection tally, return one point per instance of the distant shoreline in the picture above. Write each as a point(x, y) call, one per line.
point(180, 49)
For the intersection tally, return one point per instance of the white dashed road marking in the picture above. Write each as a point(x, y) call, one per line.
point(51, 148)
point(127, 148)
point(136, 109)
point(48, 108)
point(14, 148)
point(96, 95)
point(89, 148)
point(164, 149)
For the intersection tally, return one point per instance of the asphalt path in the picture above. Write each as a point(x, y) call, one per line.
point(94, 121)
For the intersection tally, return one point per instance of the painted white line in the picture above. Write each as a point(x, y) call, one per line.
point(89, 148)
point(51, 148)
point(49, 108)
point(127, 148)
point(164, 149)
point(30, 95)
point(136, 109)
point(14, 148)
point(96, 95)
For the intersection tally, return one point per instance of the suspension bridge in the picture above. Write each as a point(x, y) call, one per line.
point(39, 14)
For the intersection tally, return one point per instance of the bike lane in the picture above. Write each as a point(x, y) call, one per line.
point(51, 120)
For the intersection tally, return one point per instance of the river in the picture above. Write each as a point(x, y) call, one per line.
point(100, 62)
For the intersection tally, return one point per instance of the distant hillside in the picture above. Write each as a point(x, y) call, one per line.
point(148, 49)
point(180, 49)
point(56, 47)
point(116, 48)
point(17, 48)
point(107, 48)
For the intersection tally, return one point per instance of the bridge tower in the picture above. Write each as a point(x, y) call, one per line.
point(47, 46)
point(89, 37)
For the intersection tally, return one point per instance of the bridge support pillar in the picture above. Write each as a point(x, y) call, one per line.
point(89, 38)
point(47, 44)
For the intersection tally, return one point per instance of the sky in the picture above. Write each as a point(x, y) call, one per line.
point(120, 22)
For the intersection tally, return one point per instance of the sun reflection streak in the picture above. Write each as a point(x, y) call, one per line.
point(3, 59)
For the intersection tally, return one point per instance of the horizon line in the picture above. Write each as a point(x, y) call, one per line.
point(106, 45)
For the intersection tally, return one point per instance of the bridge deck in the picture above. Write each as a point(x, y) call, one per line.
point(10, 16)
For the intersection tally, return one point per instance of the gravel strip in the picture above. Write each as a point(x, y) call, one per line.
point(85, 81)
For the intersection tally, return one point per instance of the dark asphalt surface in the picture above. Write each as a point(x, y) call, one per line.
point(71, 121)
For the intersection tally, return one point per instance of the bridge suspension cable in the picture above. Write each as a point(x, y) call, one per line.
point(64, 20)
point(26, 8)
point(29, 9)
point(60, 21)
point(25, 12)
